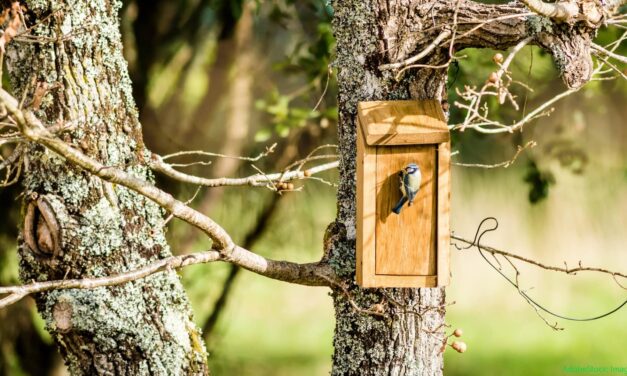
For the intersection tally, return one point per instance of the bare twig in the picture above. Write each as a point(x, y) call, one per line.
point(436, 42)
point(169, 217)
point(613, 67)
point(559, 11)
point(477, 116)
point(173, 262)
point(496, 127)
point(608, 53)
point(11, 159)
point(190, 164)
point(375, 311)
point(257, 180)
point(504, 164)
point(269, 181)
point(565, 269)
point(269, 150)
point(496, 85)
point(539, 309)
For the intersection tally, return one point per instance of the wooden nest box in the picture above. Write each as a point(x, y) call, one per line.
point(409, 249)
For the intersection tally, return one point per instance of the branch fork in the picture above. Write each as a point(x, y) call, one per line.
point(224, 249)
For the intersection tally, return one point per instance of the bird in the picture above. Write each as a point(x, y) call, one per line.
point(410, 178)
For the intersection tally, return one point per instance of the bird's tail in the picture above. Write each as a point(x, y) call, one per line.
point(399, 205)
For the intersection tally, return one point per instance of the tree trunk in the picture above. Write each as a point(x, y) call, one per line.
point(78, 226)
point(368, 344)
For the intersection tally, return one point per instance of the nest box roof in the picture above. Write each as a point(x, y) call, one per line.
point(409, 122)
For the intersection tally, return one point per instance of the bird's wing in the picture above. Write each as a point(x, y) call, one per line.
point(409, 192)
point(403, 185)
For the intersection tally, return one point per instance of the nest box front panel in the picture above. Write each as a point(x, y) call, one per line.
point(411, 248)
point(413, 230)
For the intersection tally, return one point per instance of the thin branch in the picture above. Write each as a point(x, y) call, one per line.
point(565, 269)
point(515, 50)
point(190, 164)
point(559, 11)
point(15, 155)
point(607, 53)
point(169, 217)
point(257, 180)
point(311, 157)
point(504, 164)
point(375, 311)
point(270, 181)
point(502, 128)
point(515, 282)
point(477, 116)
point(613, 67)
point(615, 4)
point(321, 272)
point(436, 42)
point(173, 262)
point(324, 91)
point(498, 85)
point(269, 150)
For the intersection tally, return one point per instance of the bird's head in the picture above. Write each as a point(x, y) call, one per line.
point(412, 168)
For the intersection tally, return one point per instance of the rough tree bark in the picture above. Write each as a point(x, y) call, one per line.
point(76, 224)
point(370, 34)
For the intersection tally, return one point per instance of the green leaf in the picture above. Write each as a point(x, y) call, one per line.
point(263, 135)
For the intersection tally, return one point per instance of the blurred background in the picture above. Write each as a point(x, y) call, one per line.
point(236, 76)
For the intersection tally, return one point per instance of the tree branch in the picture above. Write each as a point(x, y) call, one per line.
point(538, 308)
point(613, 55)
point(269, 150)
point(436, 42)
point(504, 164)
point(313, 274)
point(257, 180)
point(565, 269)
point(559, 11)
point(501, 26)
point(34, 130)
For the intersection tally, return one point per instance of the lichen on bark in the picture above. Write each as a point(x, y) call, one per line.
point(143, 327)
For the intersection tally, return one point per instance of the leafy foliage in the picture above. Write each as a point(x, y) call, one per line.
point(313, 100)
point(539, 182)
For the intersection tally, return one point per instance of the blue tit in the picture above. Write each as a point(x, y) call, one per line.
point(410, 184)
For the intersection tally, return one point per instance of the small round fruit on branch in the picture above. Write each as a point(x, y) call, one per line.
point(459, 346)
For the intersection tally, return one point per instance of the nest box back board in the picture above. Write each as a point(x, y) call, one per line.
point(409, 249)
